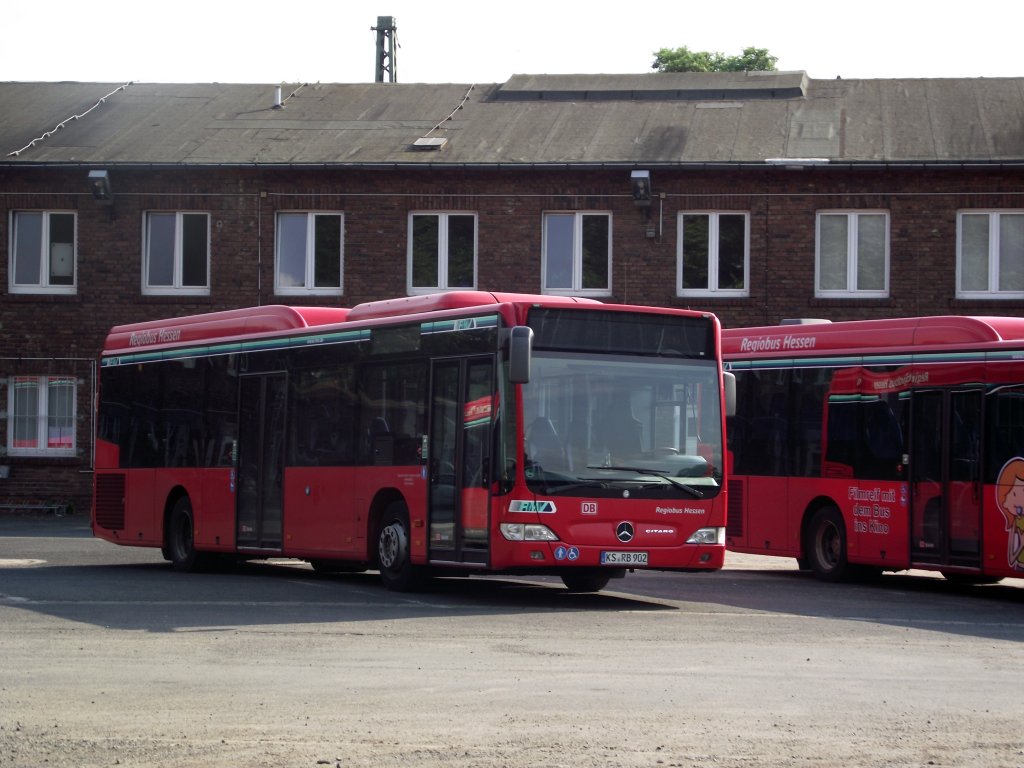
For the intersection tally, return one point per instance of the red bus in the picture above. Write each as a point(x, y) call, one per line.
point(449, 434)
point(864, 446)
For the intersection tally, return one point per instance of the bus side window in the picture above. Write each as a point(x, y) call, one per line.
point(843, 431)
point(1004, 433)
point(392, 417)
point(883, 442)
point(220, 406)
point(762, 423)
point(322, 417)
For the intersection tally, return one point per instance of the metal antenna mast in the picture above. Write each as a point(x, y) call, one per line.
point(386, 45)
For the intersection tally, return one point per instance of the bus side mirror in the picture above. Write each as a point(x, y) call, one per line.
point(729, 392)
point(520, 351)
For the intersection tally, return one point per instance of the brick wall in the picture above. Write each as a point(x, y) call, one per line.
point(509, 203)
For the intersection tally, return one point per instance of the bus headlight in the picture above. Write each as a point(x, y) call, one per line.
point(527, 532)
point(707, 536)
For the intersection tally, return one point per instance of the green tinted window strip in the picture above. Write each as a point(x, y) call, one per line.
point(872, 360)
point(342, 337)
point(458, 324)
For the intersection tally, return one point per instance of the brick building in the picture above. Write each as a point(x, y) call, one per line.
point(756, 196)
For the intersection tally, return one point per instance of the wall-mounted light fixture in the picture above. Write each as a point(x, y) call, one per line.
point(99, 184)
point(641, 181)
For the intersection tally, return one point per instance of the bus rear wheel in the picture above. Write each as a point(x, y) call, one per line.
point(396, 568)
point(825, 547)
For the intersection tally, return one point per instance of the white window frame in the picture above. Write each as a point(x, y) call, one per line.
point(714, 241)
point(576, 289)
point(442, 253)
point(308, 288)
point(851, 291)
point(41, 385)
point(176, 288)
point(994, 253)
point(44, 285)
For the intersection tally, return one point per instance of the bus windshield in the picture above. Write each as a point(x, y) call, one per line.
point(610, 424)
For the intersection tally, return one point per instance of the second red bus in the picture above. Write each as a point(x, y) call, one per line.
point(456, 433)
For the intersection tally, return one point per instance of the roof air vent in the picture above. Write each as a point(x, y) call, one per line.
point(429, 143)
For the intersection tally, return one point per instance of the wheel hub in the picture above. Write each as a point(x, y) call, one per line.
point(393, 545)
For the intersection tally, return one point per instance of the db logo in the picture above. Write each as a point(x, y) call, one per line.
point(588, 507)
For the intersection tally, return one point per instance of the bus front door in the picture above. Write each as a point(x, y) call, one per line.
point(261, 430)
point(945, 478)
point(461, 412)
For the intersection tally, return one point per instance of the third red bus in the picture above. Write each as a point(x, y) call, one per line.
point(864, 446)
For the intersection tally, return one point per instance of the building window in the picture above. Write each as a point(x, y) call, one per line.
point(42, 252)
point(990, 254)
point(442, 251)
point(41, 415)
point(309, 253)
point(713, 254)
point(577, 252)
point(177, 253)
point(852, 254)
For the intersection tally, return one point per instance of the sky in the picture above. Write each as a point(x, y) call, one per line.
point(458, 41)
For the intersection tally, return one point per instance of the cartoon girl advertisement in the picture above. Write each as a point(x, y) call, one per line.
point(1010, 497)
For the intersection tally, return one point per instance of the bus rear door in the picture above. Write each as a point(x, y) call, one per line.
point(261, 436)
point(945, 477)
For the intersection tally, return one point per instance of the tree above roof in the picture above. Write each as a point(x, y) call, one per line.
point(685, 60)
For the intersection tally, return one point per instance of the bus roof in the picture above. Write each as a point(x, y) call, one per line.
point(230, 323)
point(276, 319)
point(435, 302)
point(866, 336)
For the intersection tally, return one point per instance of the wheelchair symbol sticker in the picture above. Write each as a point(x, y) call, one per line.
point(567, 553)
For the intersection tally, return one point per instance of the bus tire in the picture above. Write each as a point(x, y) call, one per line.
point(335, 566)
point(181, 550)
point(586, 580)
point(969, 579)
point(825, 546)
point(393, 552)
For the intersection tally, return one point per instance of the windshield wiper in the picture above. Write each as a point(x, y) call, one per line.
point(556, 482)
point(581, 482)
point(658, 473)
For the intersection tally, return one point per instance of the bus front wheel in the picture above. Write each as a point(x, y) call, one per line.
point(825, 548)
point(584, 580)
point(969, 579)
point(181, 549)
point(396, 569)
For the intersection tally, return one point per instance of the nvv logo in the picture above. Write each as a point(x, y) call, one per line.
point(536, 507)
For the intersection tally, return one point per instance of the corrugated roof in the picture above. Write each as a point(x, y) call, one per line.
point(655, 119)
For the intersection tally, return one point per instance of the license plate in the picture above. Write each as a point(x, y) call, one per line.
point(623, 558)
